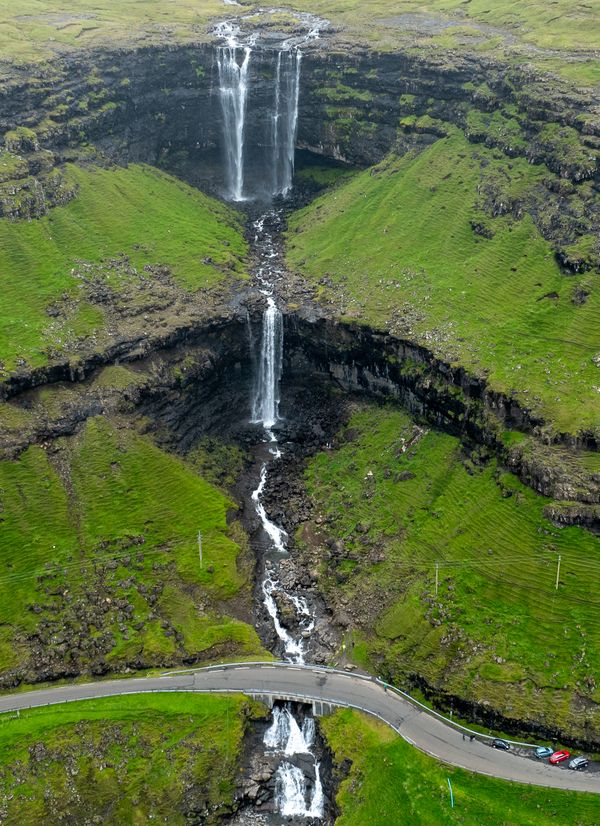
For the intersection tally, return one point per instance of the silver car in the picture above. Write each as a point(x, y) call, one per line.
point(579, 763)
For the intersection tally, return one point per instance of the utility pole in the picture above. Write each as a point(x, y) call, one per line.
point(557, 573)
point(437, 577)
point(200, 547)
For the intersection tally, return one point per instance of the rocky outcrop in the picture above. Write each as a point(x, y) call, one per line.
point(187, 386)
point(359, 359)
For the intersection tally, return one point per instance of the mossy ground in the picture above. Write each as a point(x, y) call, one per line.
point(402, 498)
point(391, 782)
point(398, 247)
point(319, 173)
point(139, 215)
point(100, 560)
point(123, 760)
point(34, 30)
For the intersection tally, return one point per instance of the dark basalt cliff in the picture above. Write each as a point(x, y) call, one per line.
point(161, 106)
point(359, 359)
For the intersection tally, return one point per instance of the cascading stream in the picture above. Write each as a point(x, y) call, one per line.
point(265, 411)
point(295, 794)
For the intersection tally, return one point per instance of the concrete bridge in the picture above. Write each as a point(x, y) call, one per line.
point(326, 689)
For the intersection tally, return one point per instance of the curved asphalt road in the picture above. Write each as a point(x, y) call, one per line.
point(338, 688)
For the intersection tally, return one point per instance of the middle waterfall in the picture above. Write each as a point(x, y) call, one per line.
point(265, 404)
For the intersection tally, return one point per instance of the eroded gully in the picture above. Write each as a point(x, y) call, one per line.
point(298, 789)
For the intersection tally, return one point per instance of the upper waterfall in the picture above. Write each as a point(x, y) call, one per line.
point(259, 92)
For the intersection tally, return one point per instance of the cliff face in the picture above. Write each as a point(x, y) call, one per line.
point(353, 101)
point(162, 106)
point(361, 360)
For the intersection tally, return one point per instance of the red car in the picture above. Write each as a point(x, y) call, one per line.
point(559, 757)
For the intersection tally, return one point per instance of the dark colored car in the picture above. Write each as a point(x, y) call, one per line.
point(543, 751)
point(498, 743)
point(579, 763)
point(560, 756)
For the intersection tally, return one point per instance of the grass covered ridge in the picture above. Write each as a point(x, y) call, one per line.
point(100, 560)
point(137, 216)
point(391, 782)
point(34, 29)
point(123, 760)
point(400, 246)
point(394, 499)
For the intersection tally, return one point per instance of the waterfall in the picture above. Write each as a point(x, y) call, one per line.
point(291, 792)
point(285, 119)
point(233, 64)
point(233, 92)
point(265, 406)
point(285, 734)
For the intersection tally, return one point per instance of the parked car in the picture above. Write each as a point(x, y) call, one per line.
point(579, 763)
point(543, 751)
point(498, 743)
point(560, 756)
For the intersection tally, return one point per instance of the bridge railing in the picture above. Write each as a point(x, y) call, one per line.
point(368, 678)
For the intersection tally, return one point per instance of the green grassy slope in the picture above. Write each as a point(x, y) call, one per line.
point(30, 29)
point(139, 212)
point(391, 782)
point(100, 560)
point(122, 760)
point(557, 25)
point(498, 632)
point(395, 247)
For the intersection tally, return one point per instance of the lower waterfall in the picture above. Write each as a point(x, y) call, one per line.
point(293, 793)
point(265, 406)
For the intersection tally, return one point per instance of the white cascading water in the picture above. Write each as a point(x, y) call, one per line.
point(285, 735)
point(233, 62)
point(291, 792)
point(285, 119)
point(265, 407)
point(292, 795)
